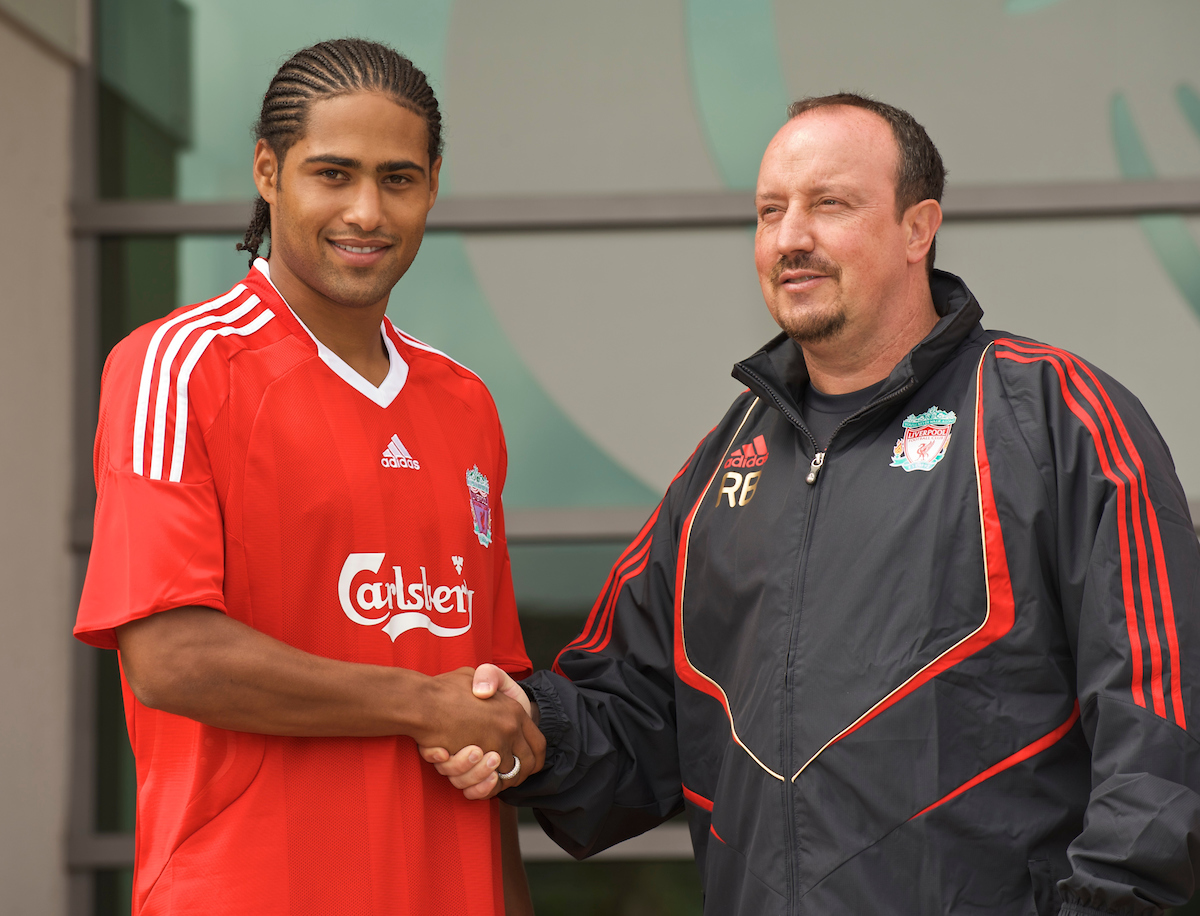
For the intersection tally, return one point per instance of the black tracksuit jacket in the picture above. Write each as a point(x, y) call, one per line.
point(971, 688)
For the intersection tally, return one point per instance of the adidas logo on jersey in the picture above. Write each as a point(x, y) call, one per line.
point(397, 456)
point(751, 455)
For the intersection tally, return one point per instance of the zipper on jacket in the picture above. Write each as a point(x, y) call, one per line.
point(815, 468)
point(818, 460)
point(789, 791)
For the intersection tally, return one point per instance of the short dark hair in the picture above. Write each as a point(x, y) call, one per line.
point(325, 70)
point(920, 174)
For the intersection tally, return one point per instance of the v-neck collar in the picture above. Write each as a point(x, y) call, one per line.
point(397, 367)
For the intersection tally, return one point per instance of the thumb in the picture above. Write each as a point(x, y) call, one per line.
point(488, 679)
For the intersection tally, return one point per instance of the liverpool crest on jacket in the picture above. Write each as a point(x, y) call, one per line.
point(481, 513)
point(926, 436)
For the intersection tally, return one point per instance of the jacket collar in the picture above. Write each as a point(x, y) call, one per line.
point(777, 373)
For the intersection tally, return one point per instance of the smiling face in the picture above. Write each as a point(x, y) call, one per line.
point(348, 206)
point(830, 252)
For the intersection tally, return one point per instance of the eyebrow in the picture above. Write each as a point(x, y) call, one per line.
point(396, 165)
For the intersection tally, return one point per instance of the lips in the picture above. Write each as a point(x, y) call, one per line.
point(359, 252)
point(796, 280)
point(801, 270)
point(369, 249)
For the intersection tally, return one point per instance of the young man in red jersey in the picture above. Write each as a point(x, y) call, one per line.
point(299, 549)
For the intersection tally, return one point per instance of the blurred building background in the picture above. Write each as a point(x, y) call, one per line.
point(590, 257)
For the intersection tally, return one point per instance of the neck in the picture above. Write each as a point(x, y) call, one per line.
point(352, 332)
point(863, 354)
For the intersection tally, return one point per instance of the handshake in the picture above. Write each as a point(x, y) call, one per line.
point(487, 717)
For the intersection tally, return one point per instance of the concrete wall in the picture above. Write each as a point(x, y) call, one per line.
point(62, 24)
point(36, 377)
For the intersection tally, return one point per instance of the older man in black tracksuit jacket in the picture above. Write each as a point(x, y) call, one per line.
point(946, 660)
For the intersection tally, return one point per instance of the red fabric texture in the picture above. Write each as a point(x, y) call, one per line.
point(281, 478)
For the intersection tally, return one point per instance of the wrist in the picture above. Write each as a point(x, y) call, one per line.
point(535, 711)
point(416, 705)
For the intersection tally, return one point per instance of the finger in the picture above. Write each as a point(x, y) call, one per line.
point(504, 684)
point(461, 762)
point(485, 789)
point(478, 773)
point(487, 680)
point(522, 752)
point(434, 754)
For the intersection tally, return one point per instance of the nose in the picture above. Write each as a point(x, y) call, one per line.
point(795, 231)
point(365, 208)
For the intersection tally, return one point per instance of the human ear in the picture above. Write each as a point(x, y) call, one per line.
point(266, 171)
point(921, 221)
point(434, 170)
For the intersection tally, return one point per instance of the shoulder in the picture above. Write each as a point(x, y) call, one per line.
point(1055, 396)
point(445, 371)
point(213, 330)
point(741, 417)
point(177, 367)
point(1031, 369)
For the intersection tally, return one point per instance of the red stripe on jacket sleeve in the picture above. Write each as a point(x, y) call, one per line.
point(1130, 486)
point(597, 631)
point(1160, 561)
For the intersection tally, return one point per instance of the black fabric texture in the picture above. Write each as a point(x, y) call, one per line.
point(958, 673)
point(823, 413)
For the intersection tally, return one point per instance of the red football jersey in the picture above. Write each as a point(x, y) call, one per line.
point(242, 466)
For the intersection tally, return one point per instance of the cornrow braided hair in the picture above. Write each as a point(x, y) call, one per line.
point(328, 69)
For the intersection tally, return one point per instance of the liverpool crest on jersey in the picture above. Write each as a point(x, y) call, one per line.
point(481, 513)
point(926, 436)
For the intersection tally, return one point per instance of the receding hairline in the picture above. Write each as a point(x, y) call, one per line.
point(898, 169)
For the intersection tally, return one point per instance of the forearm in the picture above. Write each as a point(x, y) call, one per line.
point(600, 785)
point(199, 663)
point(202, 664)
point(517, 901)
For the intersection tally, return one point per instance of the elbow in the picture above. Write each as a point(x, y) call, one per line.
point(160, 663)
point(150, 684)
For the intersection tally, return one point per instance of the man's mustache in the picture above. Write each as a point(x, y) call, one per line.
point(804, 260)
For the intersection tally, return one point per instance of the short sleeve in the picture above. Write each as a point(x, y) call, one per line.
point(158, 536)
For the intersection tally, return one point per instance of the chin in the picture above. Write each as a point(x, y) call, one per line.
point(808, 328)
point(356, 288)
point(813, 325)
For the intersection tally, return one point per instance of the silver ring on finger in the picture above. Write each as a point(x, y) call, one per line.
point(515, 770)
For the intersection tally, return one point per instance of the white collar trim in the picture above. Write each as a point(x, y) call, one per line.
point(397, 367)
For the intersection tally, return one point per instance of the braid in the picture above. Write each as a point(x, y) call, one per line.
point(327, 69)
point(260, 225)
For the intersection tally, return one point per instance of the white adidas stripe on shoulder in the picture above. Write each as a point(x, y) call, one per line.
point(158, 446)
point(185, 375)
point(154, 424)
point(143, 403)
point(421, 345)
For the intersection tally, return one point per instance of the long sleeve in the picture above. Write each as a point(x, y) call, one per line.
point(608, 707)
point(1129, 580)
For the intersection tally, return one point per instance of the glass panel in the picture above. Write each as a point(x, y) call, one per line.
point(138, 283)
point(116, 777)
point(615, 888)
point(702, 88)
point(113, 893)
point(144, 95)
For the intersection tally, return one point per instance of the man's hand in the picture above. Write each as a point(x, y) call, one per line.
point(471, 716)
point(471, 769)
